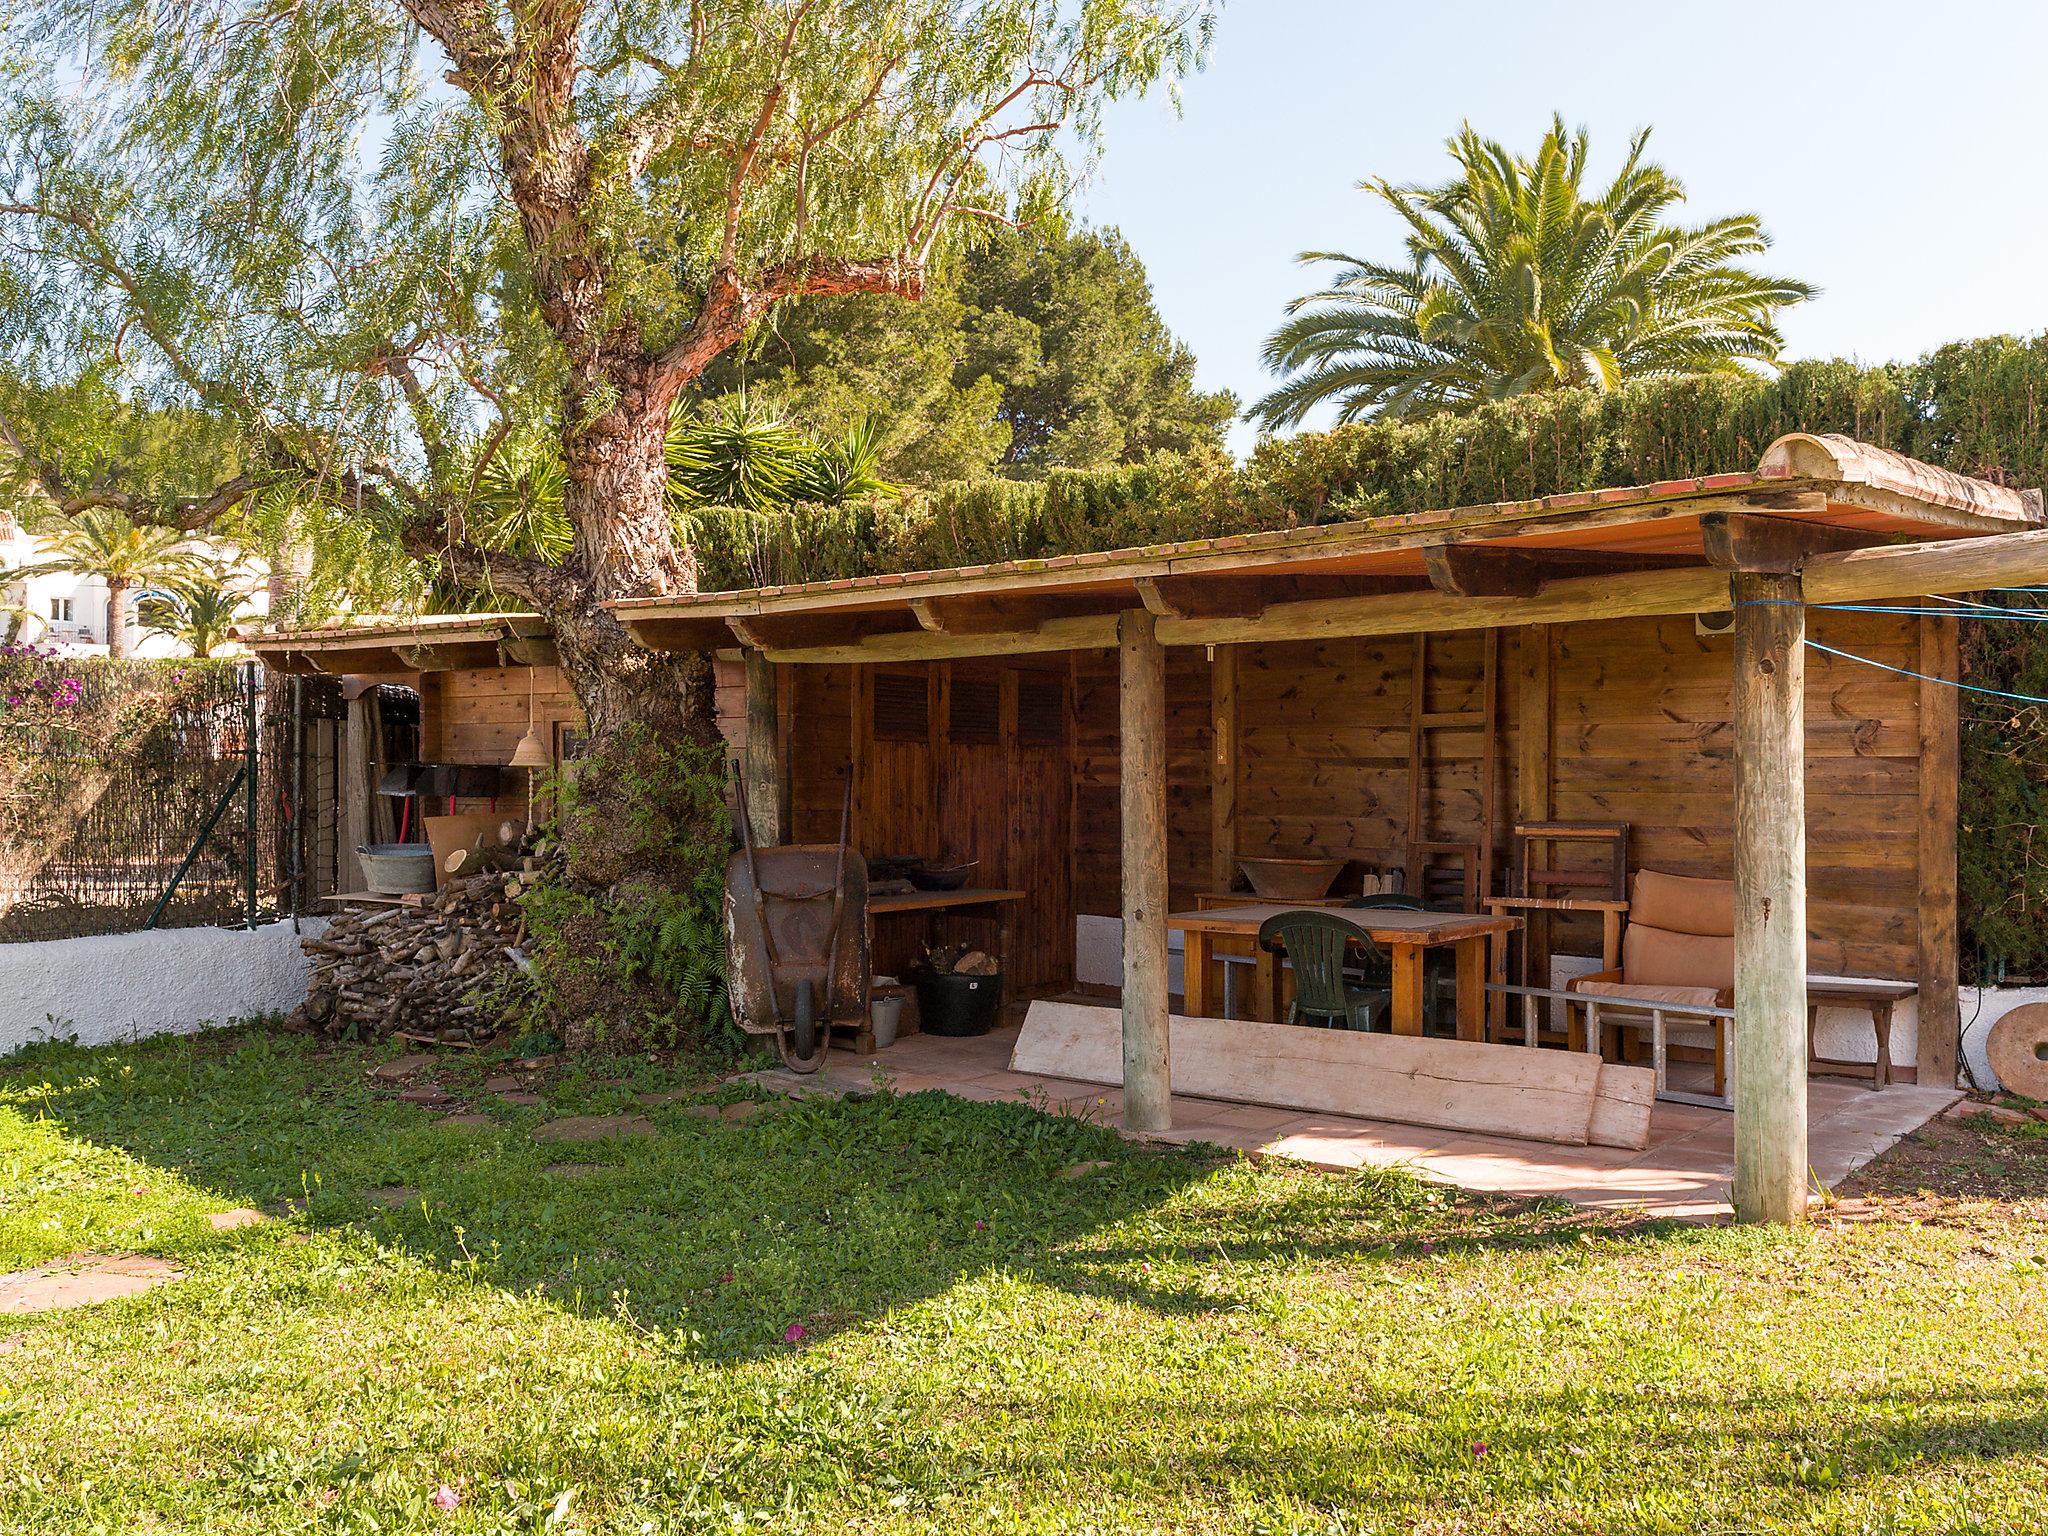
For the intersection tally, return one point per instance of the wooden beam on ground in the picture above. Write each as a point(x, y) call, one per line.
point(1141, 693)
point(759, 763)
point(1940, 767)
point(1570, 1098)
point(1769, 1029)
point(1748, 541)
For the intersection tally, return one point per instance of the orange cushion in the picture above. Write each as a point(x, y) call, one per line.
point(1677, 997)
point(1682, 903)
point(1658, 957)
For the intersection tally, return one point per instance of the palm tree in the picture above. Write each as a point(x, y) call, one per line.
point(199, 611)
point(122, 553)
point(1515, 282)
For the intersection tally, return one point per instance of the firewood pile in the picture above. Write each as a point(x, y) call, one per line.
point(418, 969)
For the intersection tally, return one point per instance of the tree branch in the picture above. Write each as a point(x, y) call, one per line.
point(730, 307)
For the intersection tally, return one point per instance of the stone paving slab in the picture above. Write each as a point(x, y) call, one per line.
point(83, 1282)
point(593, 1127)
point(235, 1220)
point(400, 1068)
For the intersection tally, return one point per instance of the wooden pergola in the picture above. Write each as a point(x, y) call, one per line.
point(1821, 521)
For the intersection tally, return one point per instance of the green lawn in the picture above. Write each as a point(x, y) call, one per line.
point(1171, 1343)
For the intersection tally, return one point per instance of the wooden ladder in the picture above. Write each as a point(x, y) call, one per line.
point(1476, 859)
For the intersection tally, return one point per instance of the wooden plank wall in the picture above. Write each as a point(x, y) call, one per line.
point(478, 716)
point(1000, 803)
point(1641, 732)
point(1644, 733)
point(1097, 856)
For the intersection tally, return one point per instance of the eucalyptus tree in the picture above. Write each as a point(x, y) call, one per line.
point(395, 239)
point(1517, 278)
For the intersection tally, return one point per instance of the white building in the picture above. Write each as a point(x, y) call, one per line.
point(69, 611)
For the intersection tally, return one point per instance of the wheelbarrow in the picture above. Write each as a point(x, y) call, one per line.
point(796, 939)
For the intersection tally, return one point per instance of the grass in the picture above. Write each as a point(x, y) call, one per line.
point(895, 1315)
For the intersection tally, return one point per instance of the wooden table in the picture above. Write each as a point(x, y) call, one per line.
point(1480, 942)
point(1878, 998)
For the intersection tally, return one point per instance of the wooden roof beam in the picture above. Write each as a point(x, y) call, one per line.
point(678, 633)
point(1483, 568)
point(461, 656)
point(803, 631)
point(1752, 541)
point(982, 615)
point(1205, 596)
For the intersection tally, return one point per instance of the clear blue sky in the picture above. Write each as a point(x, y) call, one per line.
point(1895, 151)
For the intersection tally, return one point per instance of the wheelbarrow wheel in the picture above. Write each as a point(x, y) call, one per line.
point(802, 1052)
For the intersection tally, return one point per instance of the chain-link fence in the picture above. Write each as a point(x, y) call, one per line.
point(168, 794)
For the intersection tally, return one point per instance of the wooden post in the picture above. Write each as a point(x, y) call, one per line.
point(1940, 767)
point(1141, 677)
point(357, 791)
point(1770, 897)
point(1536, 697)
point(1223, 767)
point(758, 760)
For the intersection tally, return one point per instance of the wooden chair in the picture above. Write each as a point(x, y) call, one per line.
point(1678, 951)
point(1315, 944)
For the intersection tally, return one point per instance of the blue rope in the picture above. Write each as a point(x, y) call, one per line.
point(1996, 693)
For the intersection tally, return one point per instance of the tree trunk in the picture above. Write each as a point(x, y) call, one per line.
point(117, 619)
point(624, 547)
point(291, 567)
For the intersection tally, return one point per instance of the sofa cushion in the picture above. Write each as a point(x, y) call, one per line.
point(1661, 957)
point(1677, 997)
point(1682, 904)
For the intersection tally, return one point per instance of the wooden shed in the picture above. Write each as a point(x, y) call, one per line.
point(473, 684)
point(1747, 670)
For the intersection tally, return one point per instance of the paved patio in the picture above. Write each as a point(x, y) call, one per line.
point(1685, 1171)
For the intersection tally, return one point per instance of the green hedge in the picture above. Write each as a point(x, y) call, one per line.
point(1972, 406)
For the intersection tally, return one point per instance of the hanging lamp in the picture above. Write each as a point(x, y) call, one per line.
point(533, 751)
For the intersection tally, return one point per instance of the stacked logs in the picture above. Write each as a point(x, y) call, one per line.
point(417, 969)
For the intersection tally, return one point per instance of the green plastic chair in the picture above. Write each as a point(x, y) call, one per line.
point(1315, 943)
point(1439, 966)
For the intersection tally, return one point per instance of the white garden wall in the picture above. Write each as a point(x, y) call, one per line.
point(124, 986)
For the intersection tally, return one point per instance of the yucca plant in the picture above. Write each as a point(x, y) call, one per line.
point(1516, 280)
point(733, 452)
point(838, 472)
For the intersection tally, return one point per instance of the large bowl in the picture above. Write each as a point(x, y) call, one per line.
point(1291, 879)
point(952, 878)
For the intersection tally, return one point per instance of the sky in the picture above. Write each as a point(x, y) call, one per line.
point(1894, 151)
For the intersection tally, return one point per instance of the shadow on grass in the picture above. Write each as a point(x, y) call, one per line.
point(733, 1238)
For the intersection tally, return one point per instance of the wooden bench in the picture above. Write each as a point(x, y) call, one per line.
point(1878, 998)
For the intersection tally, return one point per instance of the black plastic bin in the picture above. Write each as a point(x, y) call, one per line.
point(953, 1004)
